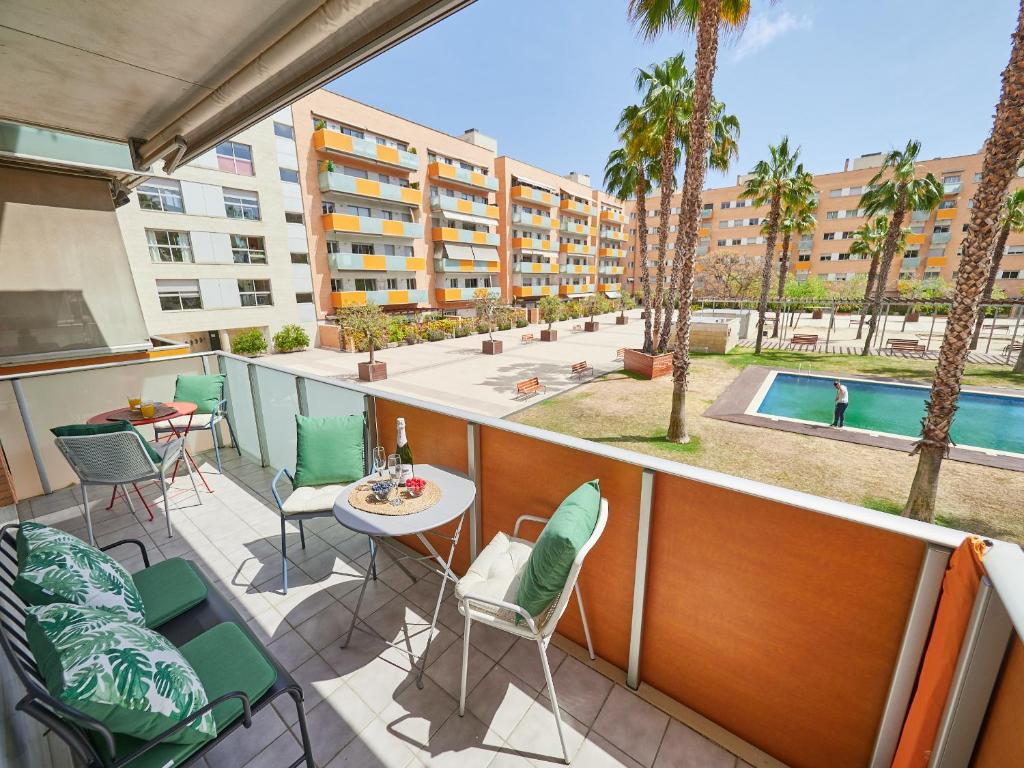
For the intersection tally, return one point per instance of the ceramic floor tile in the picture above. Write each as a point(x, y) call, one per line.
point(683, 747)
point(632, 725)
point(581, 691)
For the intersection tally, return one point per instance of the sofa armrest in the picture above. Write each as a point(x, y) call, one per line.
point(527, 519)
point(518, 610)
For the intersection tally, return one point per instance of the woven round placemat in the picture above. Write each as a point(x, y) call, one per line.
point(362, 497)
point(127, 414)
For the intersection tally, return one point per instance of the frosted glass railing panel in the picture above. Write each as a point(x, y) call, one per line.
point(73, 398)
point(326, 400)
point(240, 410)
point(279, 402)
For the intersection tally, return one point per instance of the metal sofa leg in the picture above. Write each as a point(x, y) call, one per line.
point(554, 698)
point(307, 748)
point(284, 555)
point(88, 514)
point(465, 665)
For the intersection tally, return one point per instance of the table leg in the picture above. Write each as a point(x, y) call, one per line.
point(440, 593)
point(188, 456)
point(370, 568)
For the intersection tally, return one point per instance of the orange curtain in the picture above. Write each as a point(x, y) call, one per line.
point(959, 588)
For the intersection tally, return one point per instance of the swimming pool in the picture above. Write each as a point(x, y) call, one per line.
point(988, 421)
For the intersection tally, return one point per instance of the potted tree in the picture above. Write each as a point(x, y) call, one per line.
point(624, 303)
point(488, 308)
point(371, 323)
point(592, 305)
point(550, 310)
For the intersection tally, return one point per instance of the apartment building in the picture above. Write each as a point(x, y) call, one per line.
point(220, 246)
point(729, 223)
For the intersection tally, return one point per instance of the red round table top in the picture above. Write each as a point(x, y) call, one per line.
point(180, 409)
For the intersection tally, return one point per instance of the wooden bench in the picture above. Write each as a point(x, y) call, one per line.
point(620, 353)
point(528, 388)
point(803, 340)
point(1012, 349)
point(581, 369)
point(527, 338)
point(906, 346)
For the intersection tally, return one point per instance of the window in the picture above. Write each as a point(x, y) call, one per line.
point(366, 284)
point(169, 246)
point(177, 295)
point(235, 158)
point(829, 236)
point(248, 250)
point(303, 298)
point(284, 131)
point(832, 215)
point(977, 178)
point(946, 204)
point(337, 284)
point(392, 283)
point(161, 195)
point(951, 178)
point(255, 293)
point(293, 218)
point(241, 204)
point(300, 258)
point(1006, 274)
point(940, 229)
point(410, 283)
point(804, 257)
point(287, 174)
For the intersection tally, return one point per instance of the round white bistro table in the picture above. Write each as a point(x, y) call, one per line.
point(457, 495)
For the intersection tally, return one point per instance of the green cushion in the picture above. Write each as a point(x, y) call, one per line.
point(557, 546)
point(56, 567)
point(168, 589)
point(328, 450)
point(87, 430)
point(205, 391)
point(126, 676)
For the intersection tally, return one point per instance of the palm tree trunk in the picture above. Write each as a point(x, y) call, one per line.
point(689, 205)
point(675, 283)
point(780, 290)
point(1019, 366)
point(1002, 154)
point(667, 168)
point(872, 273)
point(892, 238)
point(993, 272)
point(645, 268)
point(766, 270)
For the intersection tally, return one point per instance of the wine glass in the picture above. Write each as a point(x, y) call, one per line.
point(379, 461)
point(395, 473)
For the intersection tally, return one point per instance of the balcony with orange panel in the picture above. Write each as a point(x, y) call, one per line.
point(368, 225)
point(335, 142)
point(531, 195)
point(450, 173)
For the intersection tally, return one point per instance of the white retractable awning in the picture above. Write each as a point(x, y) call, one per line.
point(468, 218)
point(533, 183)
point(485, 253)
point(612, 294)
point(459, 252)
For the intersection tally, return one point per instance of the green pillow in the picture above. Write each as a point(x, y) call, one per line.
point(557, 546)
point(128, 677)
point(328, 450)
point(205, 391)
point(86, 430)
point(56, 567)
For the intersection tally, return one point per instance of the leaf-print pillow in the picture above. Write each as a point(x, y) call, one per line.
point(128, 677)
point(56, 567)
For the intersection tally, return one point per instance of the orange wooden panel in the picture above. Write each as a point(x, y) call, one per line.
point(1001, 742)
point(375, 262)
point(387, 154)
point(779, 624)
point(435, 439)
point(522, 476)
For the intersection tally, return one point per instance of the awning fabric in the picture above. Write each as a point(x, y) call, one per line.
point(467, 217)
point(485, 253)
point(459, 252)
point(537, 184)
point(612, 294)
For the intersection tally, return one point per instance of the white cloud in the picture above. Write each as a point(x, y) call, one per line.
point(763, 29)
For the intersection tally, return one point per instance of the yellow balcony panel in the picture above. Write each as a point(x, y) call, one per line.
point(613, 217)
point(936, 261)
point(375, 262)
point(574, 206)
point(535, 267)
point(607, 269)
point(915, 238)
point(368, 225)
point(945, 213)
point(443, 295)
point(458, 205)
point(605, 287)
point(525, 291)
point(567, 225)
point(575, 290)
point(612, 253)
point(342, 184)
point(520, 192)
point(342, 299)
point(326, 140)
point(452, 235)
point(445, 172)
point(533, 244)
point(583, 250)
point(802, 265)
point(703, 232)
point(613, 234)
point(577, 269)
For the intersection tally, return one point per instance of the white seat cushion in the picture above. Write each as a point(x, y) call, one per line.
point(495, 574)
point(199, 421)
point(311, 499)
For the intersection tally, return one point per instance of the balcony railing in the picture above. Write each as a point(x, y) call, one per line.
point(705, 213)
point(613, 234)
point(941, 237)
point(575, 289)
point(341, 299)
point(526, 291)
point(609, 287)
point(920, 215)
point(444, 295)
point(458, 205)
point(951, 189)
point(520, 192)
point(911, 262)
point(567, 225)
point(375, 262)
point(533, 244)
point(458, 265)
point(574, 206)
point(450, 173)
point(577, 269)
point(608, 269)
point(915, 238)
point(535, 267)
point(612, 253)
point(935, 261)
point(945, 214)
point(343, 184)
point(326, 140)
point(726, 595)
point(452, 235)
point(369, 225)
point(613, 217)
point(582, 250)
point(534, 221)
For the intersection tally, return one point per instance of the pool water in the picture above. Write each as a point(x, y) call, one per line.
point(995, 422)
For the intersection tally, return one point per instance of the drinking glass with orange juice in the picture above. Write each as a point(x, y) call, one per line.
point(147, 409)
point(134, 402)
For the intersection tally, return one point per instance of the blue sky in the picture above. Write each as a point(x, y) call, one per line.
point(547, 78)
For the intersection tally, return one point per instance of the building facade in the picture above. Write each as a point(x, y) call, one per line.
point(221, 245)
point(731, 224)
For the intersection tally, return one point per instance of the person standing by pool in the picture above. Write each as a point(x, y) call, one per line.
point(842, 401)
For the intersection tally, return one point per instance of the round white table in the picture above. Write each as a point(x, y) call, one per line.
point(457, 496)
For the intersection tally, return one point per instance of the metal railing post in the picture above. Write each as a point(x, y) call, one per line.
point(370, 407)
point(915, 636)
point(931, 330)
point(30, 433)
point(643, 541)
point(257, 412)
point(475, 471)
point(991, 331)
point(302, 395)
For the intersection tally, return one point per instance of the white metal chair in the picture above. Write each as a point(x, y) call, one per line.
point(120, 458)
point(488, 590)
point(199, 422)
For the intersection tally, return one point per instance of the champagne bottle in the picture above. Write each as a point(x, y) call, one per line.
point(404, 452)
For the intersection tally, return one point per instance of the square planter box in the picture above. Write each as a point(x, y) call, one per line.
point(621, 320)
point(492, 347)
point(590, 327)
point(377, 371)
point(647, 366)
point(551, 335)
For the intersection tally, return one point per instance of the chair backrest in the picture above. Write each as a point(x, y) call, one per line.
point(110, 459)
point(555, 613)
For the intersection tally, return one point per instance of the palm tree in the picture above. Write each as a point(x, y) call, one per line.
point(894, 190)
point(999, 166)
point(867, 243)
point(797, 219)
point(653, 17)
point(773, 182)
point(724, 131)
point(1012, 221)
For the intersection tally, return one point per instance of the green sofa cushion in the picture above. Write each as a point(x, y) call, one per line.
point(87, 430)
point(328, 450)
point(557, 546)
point(205, 391)
point(126, 676)
point(56, 567)
point(168, 589)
